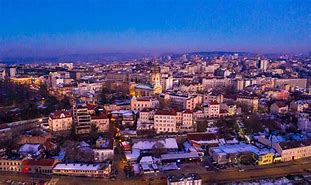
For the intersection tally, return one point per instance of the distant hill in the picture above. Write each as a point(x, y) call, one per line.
point(119, 57)
point(97, 57)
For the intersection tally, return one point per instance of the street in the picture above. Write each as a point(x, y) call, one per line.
point(209, 177)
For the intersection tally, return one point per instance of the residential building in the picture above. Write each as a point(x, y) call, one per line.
point(165, 121)
point(144, 102)
point(81, 118)
point(250, 101)
point(147, 115)
point(101, 121)
point(213, 97)
point(60, 121)
point(211, 109)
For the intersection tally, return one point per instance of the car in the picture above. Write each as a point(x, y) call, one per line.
point(112, 178)
point(222, 167)
point(241, 170)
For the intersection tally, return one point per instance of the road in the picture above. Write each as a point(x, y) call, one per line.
point(209, 177)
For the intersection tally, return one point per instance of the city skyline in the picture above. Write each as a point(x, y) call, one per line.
point(55, 28)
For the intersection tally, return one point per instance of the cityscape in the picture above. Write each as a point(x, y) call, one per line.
point(155, 92)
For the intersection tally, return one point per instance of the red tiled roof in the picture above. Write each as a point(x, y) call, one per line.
point(91, 106)
point(166, 112)
point(223, 111)
point(280, 104)
point(41, 162)
point(147, 110)
point(187, 111)
point(213, 103)
point(57, 114)
point(295, 144)
point(100, 116)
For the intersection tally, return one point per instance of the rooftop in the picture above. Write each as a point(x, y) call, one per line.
point(80, 166)
point(179, 178)
point(295, 144)
point(41, 162)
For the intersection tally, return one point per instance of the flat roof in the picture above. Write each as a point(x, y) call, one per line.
point(80, 166)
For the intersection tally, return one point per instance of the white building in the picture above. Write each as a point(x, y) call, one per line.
point(165, 121)
point(212, 109)
point(67, 65)
point(60, 121)
point(187, 118)
point(216, 82)
point(144, 102)
point(57, 78)
point(167, 81)
point(12, 72)
point(101, 154)
point(183, 101)
point(190, 179)
point(146, 115)
point(101, 121)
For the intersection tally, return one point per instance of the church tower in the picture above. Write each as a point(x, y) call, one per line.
point(156, 80)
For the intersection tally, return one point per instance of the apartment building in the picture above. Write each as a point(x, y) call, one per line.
point(101, 121)
point(249, 100)
point(165, 121)
point(183, 101)
point(146, 115)
point(82, 118)
point(60, 121)
point(144, 102)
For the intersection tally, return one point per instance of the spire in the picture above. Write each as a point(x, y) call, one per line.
point(156, 68)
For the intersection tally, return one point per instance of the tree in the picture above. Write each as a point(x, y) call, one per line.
point(93, 133)
point(253, 124)
point(65, 103)
point(157, 149)
point(202, 125)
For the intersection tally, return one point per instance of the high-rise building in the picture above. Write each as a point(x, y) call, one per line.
point(82, 118)
point(12, 72)
point(263, 64)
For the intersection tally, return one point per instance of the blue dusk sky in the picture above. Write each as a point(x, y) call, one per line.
point(31, 28)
